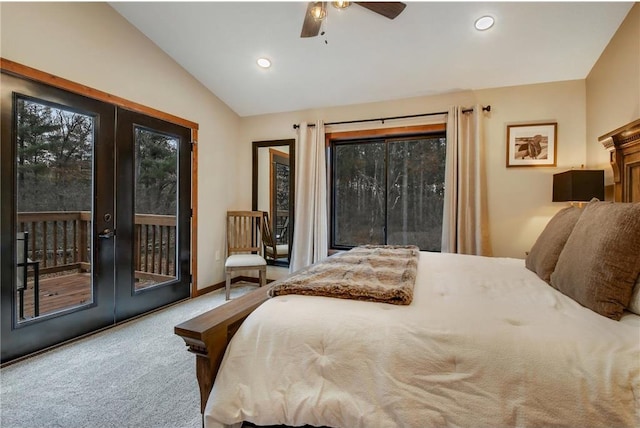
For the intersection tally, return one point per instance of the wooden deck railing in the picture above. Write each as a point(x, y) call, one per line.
point(61, 241)
point(155, 244)
point(58, 240)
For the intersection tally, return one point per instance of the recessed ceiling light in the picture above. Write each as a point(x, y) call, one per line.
point(264, 62)
point(484, 23)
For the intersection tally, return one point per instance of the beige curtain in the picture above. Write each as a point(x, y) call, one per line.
point(465, 225)
point(310, 223)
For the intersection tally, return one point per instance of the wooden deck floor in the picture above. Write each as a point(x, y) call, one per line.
point(62, 292)
point(57, 293)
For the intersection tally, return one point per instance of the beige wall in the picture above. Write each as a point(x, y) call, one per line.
point(519, 198)
point(613, 89)
point(91, 44)
point(280, 126)
point(264, 175)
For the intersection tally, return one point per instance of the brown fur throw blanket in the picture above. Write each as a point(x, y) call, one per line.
point(378, 273)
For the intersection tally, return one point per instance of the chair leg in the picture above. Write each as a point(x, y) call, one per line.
point(263, 276)
point(228, 286)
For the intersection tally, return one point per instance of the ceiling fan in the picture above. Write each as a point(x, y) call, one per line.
point(317, 11)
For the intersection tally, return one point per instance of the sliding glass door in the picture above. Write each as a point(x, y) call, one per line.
point(388, 191)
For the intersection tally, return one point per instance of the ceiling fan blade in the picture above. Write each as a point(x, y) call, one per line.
point(311, 26)
point(389, 9)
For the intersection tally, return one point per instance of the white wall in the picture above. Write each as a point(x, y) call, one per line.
point(519, 198)
point(91, 44)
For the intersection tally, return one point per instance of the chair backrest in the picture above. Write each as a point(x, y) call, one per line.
point(267, 235)
point(22, 251)
point(244, 232)
point(283, 230)
point(273, 250)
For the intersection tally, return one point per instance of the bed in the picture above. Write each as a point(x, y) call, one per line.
point(483, 342)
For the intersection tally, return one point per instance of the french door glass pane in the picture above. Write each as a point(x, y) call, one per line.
point(54, 188)
point(415, 192)
point(359, 194)
point(156, 197)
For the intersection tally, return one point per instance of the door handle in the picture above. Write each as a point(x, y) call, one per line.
point(106, 234)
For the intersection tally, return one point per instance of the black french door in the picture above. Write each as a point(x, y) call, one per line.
point(95, 215)
point(153, 190)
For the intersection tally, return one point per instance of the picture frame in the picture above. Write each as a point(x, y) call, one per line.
point(532, 145)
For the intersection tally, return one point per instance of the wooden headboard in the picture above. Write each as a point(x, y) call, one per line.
point(624, 147)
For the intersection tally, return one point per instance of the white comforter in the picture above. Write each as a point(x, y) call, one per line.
point(485, 343)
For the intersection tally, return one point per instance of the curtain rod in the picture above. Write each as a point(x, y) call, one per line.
point(382, 119)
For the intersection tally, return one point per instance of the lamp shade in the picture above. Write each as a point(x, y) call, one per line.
point(578, 185)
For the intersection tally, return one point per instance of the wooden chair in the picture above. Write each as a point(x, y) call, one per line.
point(244, 245)
point(272, 250)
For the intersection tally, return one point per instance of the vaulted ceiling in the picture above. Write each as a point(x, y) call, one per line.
point(430, 48)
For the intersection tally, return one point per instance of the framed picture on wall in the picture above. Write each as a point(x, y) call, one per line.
point(532, 144)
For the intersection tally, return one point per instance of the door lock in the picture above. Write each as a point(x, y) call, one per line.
point(106, 234)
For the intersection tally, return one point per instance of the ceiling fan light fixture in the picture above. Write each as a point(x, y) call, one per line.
point(318, 11)
point(264, 62)
point(484, 23)
point(341, 4)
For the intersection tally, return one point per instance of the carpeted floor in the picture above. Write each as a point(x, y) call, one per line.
point(138, 374)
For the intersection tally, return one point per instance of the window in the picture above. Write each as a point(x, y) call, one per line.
point(388, 191)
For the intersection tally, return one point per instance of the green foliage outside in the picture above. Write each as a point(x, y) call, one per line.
point(54, 158)
point(389, 192)
point(156, 173)
point(55, 162)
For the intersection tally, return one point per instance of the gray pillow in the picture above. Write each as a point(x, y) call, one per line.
point(634, 303)
point(544, 254)
point(600, 262)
